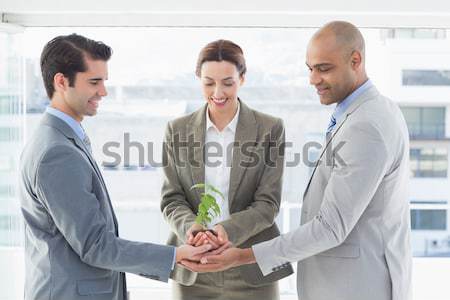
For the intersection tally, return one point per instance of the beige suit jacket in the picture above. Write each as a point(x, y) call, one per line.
point(254, 192)
point(354, 241)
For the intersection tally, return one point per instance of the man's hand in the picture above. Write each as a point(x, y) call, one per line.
point(191, 253)
point(229, 258)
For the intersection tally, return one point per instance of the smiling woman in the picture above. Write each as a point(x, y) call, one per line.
point(251, 196)
point(221, 68)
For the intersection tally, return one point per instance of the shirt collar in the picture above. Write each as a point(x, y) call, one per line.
point(74, 124)
point(231, 126)
point(344, 104)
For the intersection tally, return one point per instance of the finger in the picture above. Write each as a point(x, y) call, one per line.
point(212, 259)
point(221, 249)
point(201, 241)
point(214, 239)
point(222, 235)
point(213, 244)
point(186, 264)
point(197, 237)
point(198, 240)
point(202, 249)
point(202, 268)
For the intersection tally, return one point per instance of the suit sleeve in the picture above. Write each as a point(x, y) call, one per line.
point(64, 185)
point(174, 205)
point(353, 182)
point(261, 214)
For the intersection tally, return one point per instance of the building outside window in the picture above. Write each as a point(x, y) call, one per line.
point(429, 162)
point(426, 77)
point(425, 122)
point(429, 219)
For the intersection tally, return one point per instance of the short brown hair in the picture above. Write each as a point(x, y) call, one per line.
point(66, 54)
point(222, 50)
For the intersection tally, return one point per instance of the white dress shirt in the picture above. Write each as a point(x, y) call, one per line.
point(218, 160)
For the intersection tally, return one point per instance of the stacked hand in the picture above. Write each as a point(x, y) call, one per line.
point(219, 257)
point(229, 258)
point(191, 253)
point(218, 243)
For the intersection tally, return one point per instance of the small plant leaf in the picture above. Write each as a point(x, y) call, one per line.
point(208, 207)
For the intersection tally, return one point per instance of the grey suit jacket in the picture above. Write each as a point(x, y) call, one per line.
point(72, 248)
point(354, 241)
point(254, 193)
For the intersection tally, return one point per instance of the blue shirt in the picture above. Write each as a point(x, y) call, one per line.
point(74, 124)
point(344, 104)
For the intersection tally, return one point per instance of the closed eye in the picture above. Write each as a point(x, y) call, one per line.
point(324, 69)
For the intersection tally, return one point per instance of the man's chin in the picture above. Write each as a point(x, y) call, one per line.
point(326, 101)
point(90, 113)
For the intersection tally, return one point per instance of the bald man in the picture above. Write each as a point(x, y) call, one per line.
point(354, 237)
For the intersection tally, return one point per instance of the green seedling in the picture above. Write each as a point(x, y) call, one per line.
point(208, 207)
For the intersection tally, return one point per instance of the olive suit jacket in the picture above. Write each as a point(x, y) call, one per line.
point(255, 184)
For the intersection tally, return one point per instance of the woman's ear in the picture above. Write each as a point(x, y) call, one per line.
point(241, 79)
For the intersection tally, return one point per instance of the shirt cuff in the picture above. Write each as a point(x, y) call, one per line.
point(174, 257)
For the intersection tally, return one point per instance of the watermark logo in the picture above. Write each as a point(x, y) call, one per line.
point(190, 152)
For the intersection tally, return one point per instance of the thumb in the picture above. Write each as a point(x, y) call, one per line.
point(190, 238)
point(222, 235)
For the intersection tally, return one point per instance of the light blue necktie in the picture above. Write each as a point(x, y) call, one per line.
point(331, 124)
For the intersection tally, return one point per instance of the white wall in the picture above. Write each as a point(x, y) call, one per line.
point(382, 13)
point(418, 6)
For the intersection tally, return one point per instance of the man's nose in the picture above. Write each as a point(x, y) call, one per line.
point(314, 77)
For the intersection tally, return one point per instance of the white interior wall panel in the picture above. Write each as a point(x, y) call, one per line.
point(233, 13)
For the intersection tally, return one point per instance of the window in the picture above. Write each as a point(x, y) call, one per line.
point(155, 82)
point(429, 162)
point(9, 134)
point(425, 122)
point(6, 163)
point(426, 77)
point(414, 33)
point(428, 219)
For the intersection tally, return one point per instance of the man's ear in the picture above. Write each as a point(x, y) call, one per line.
point(356, 59)
point(60, 82)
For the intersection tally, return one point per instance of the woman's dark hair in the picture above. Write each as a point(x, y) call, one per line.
point(66, 54)
point(222, 50)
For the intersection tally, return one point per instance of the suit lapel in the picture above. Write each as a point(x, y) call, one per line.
point(328, 141)
point(71, 135)
point(370, 94)
point(246, 134)
point(196, 147)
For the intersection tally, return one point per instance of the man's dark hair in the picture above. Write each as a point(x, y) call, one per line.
point(66, 54)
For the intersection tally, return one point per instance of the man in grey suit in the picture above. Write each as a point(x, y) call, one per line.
point(72, 247)
point(354, 238)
